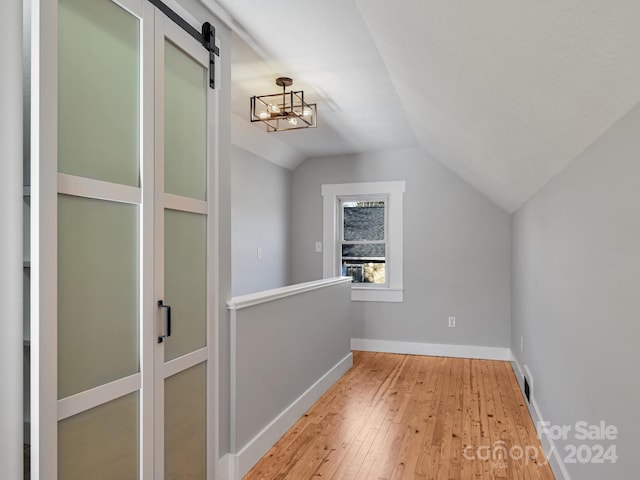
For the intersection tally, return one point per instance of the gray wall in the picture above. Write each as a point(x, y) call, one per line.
point(457, 250)
point(576, 295)
point(260, 217)
point(11, 240)
point(283, 347)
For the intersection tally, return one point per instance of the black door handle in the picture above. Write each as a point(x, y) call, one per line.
point(167, 321)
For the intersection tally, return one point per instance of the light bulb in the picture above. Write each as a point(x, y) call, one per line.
point(293, 121)
point(274, 108)
point(263, 115)
point(307, 112)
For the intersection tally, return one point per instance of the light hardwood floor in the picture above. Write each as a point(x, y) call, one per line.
point(412, 417)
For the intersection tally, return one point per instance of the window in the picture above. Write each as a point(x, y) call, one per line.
point(363, 238)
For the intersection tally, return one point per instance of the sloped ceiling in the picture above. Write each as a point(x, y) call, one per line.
point(503, 92)
point(327, 50)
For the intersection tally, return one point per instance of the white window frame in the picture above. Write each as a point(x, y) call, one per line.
point(393, 193)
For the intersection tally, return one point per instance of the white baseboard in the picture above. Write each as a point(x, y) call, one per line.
point(432, 349)
point(548, 445)
point(237, 465)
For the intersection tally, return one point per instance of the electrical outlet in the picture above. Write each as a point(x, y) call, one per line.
point(452, 322)
point(318, 247)
point(259, 253)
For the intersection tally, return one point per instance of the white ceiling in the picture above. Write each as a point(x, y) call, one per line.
point(503, 92)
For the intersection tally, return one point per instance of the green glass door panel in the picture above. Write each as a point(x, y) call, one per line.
point(101, 443)
point(185, 280)
point(185, 424)
point(98, 91)
point(98, 290)
point(185, 129)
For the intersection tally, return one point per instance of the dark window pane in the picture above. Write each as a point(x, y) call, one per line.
point(364, 251)
point(363, 221)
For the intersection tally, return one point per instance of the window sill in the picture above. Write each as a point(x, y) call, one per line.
point(377, 294)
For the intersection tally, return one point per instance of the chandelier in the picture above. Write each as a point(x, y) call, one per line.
point(283, 111)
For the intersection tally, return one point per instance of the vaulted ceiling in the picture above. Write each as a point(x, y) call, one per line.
point(505, 93)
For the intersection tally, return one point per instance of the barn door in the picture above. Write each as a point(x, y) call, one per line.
point(121, 314)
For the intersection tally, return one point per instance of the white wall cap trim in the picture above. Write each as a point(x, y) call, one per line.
point(251, 299)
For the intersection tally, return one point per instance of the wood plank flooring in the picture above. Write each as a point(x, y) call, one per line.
point(412, 417)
